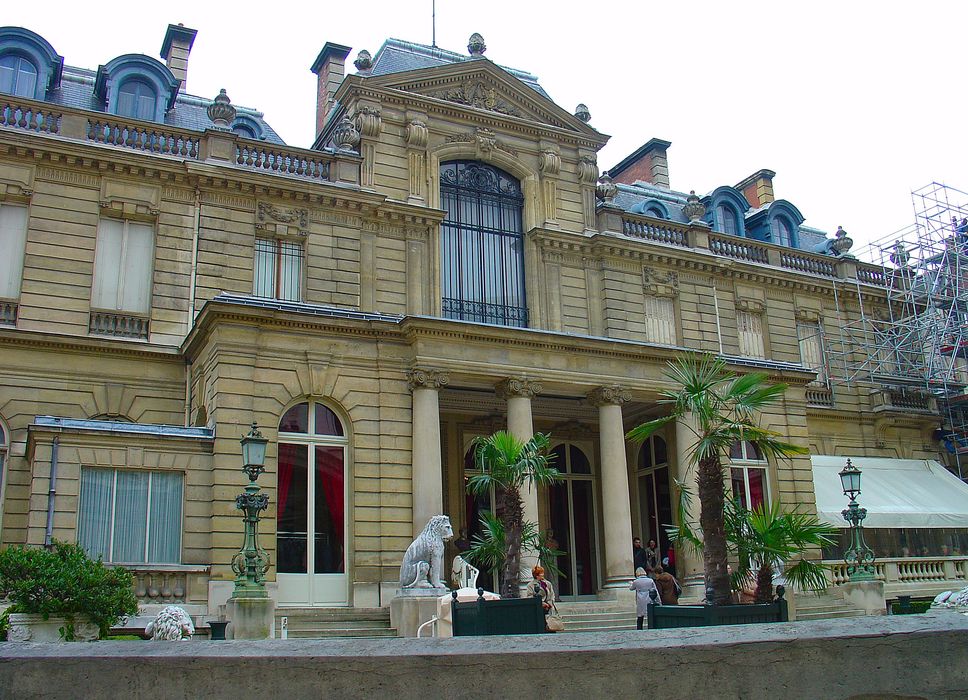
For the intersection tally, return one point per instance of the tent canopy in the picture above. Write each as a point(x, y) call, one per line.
point(909, 493)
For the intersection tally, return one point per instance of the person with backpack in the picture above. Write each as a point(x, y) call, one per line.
point(669, 589)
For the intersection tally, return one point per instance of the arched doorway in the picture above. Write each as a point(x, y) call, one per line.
point(655, 496)
point(311, 519)
point(572, 519)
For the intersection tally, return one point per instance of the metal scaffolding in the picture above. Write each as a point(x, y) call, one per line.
point(916, 343)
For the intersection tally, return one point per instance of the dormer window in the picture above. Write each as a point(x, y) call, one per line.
point(781, 231)
point(655, 213)
point(18, 76)
point(727, 221)
point(243, 130)
point(136, 99)
point(726, 208)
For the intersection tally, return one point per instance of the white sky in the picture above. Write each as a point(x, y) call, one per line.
point(853, 104)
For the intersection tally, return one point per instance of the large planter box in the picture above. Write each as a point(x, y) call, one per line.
point(25, 627)
point(505, 616)
point(668, 616)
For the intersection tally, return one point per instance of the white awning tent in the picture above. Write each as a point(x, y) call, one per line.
point(909, 493)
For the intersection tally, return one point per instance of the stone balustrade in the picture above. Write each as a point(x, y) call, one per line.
point(167, 584)
point(29, 115)
point(283, 160)
point(8, 313)
point(144, 136)
point(656, 230)
point(920, 576)
point(118, 324)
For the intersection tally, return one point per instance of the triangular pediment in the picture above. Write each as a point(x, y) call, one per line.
point(482, 85)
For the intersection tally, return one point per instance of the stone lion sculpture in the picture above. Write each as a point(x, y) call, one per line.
point(423, 564)
point(172, 623)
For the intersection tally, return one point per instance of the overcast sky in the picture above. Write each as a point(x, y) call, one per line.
point(853, 104)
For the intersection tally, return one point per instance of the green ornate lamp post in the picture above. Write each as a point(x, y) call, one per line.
point(858, 556)
point(251, 562)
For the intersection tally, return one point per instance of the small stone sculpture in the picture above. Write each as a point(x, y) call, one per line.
point(172, 624)
point(423, 564)
point(463, 573)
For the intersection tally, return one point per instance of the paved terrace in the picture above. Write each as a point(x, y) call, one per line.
point(912, 656)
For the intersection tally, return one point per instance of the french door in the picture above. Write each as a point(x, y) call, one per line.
point(572, 512)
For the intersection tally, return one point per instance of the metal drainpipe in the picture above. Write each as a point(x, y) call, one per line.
point(51, 494)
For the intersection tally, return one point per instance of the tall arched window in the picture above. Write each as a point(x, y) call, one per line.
point(571, 505)
point(136, 99)
point(781, 232)
point(482, 245)
point(311, 504)
point(655, 494)
point(18, 76)
point(726, 220)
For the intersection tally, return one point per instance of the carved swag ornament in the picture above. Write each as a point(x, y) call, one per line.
point(269, 215)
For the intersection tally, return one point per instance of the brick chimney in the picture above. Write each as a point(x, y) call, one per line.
point(758, 188)
point(175, 49)
point(329, 68)
point(648, 163)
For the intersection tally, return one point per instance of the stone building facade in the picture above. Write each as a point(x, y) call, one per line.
point(444, 262)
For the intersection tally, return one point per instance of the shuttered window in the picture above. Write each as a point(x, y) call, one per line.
point(660, 320)
point(123, 266)
point(812, 350)
point(13, 238)
point(750, 326)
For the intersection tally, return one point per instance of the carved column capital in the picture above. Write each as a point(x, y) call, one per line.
point(609, 395)
point(518, 387)
point(425, 378)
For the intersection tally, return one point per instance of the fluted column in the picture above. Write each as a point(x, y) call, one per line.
point(689, 567)
point(616, 503)
point(518, 391)
point(427, 475)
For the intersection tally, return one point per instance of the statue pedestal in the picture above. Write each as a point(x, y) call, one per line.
point(411, 607)
point(251, 618)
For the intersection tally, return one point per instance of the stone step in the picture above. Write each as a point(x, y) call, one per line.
point(334, 613)
point(303, 624)
point(384, 632)
point(829, 615)
point(597, 617)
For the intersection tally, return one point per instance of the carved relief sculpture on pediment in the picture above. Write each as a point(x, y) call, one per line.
point(485, 139)
point(476, 93)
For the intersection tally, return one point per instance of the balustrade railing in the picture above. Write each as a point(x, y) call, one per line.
point(905, 399)
point(738, 248)
point(654, 230)
point(143, 137)
point(806, 263)
point(29, 117)
point(898, 573)
point(279, 159)
point(118, 324)
point(8, 313)
point(820, 396)
point(160, 584)
point(871, 274)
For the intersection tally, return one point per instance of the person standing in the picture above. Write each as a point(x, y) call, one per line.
point(643, 585)
point(638, 554)
point(651, 555)
point(669, 589)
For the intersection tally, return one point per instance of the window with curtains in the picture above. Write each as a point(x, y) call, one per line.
point(660, 320)
point(131, 517)
point(278, 269)
point(482, 245)
point(13, 239)
point(812, 355)
point(310, 494)
point(750, 328)
point(123, 262)
point(748, 475)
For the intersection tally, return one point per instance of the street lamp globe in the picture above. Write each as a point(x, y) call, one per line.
point(850, 480)
point(254, 450)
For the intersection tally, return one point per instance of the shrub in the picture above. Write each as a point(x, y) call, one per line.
point(917, 607)
point(65, 581)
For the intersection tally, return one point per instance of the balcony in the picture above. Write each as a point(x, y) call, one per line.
point(118, 325)
point(8, 313)
point(917, 576)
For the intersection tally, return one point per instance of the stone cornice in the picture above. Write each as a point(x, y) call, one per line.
point(87, 345)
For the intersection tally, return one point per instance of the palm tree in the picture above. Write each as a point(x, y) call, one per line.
point(723, 409)
point(766, 538)
point(507, 464)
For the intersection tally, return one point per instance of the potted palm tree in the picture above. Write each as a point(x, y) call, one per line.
point(722, 409)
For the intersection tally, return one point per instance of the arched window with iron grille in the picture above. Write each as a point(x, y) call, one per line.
point(482, 245)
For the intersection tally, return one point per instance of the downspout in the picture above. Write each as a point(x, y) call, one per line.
point(191, 303)
point(51, 494)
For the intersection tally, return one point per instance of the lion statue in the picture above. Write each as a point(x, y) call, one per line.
point(172, 623)
point(423, 564)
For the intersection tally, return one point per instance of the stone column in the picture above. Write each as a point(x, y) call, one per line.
point(689, 568)
point(617, 518)
point(518, 391)
point(428, 491)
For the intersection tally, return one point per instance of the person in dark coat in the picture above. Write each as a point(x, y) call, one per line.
point(638, 554)
point(667, 585)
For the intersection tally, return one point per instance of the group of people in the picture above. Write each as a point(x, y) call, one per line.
point(650, 576)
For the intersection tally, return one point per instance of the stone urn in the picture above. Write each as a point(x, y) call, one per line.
point(31, 627)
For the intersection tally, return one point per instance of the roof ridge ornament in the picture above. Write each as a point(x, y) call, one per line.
point(581, 111)
point(364, 61)
point(476, 46)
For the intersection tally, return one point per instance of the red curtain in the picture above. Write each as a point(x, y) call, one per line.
point(330, 473)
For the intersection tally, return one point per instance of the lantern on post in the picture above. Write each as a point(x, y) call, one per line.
point(858, 556)
point(251, 563)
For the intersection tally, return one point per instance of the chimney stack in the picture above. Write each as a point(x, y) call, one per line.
point(329, 68)
point(175, 49)
point(648, 163)
point(758, 188)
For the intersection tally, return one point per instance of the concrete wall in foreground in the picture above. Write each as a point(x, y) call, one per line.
point(914, 656)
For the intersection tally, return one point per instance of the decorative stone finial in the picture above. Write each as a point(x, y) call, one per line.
point(345, 136)
point(476, 46)
point(581, 111)
point(221, 111)
point(842, 242)
point(606, 189)
point(694, 210)
point(364, 61)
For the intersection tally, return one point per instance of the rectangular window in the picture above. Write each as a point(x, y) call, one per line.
point(278, 269)
point(131, 517)
point(812, 350)
point(13, 239)
point(123, 266)
point(749, 485)
point(660, 320)
point(750, 327)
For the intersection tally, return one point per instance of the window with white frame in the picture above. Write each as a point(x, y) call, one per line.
point(123, 266)
point(750, 327)
point(748, 475)
point(660, 320)
point(18, 75)
point(13, 239)
point(131, 517)
point(812, 354)
point(278, 269)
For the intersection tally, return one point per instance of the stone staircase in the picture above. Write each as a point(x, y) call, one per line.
point(597, 616)
point(825, 607)
point(323, 623)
